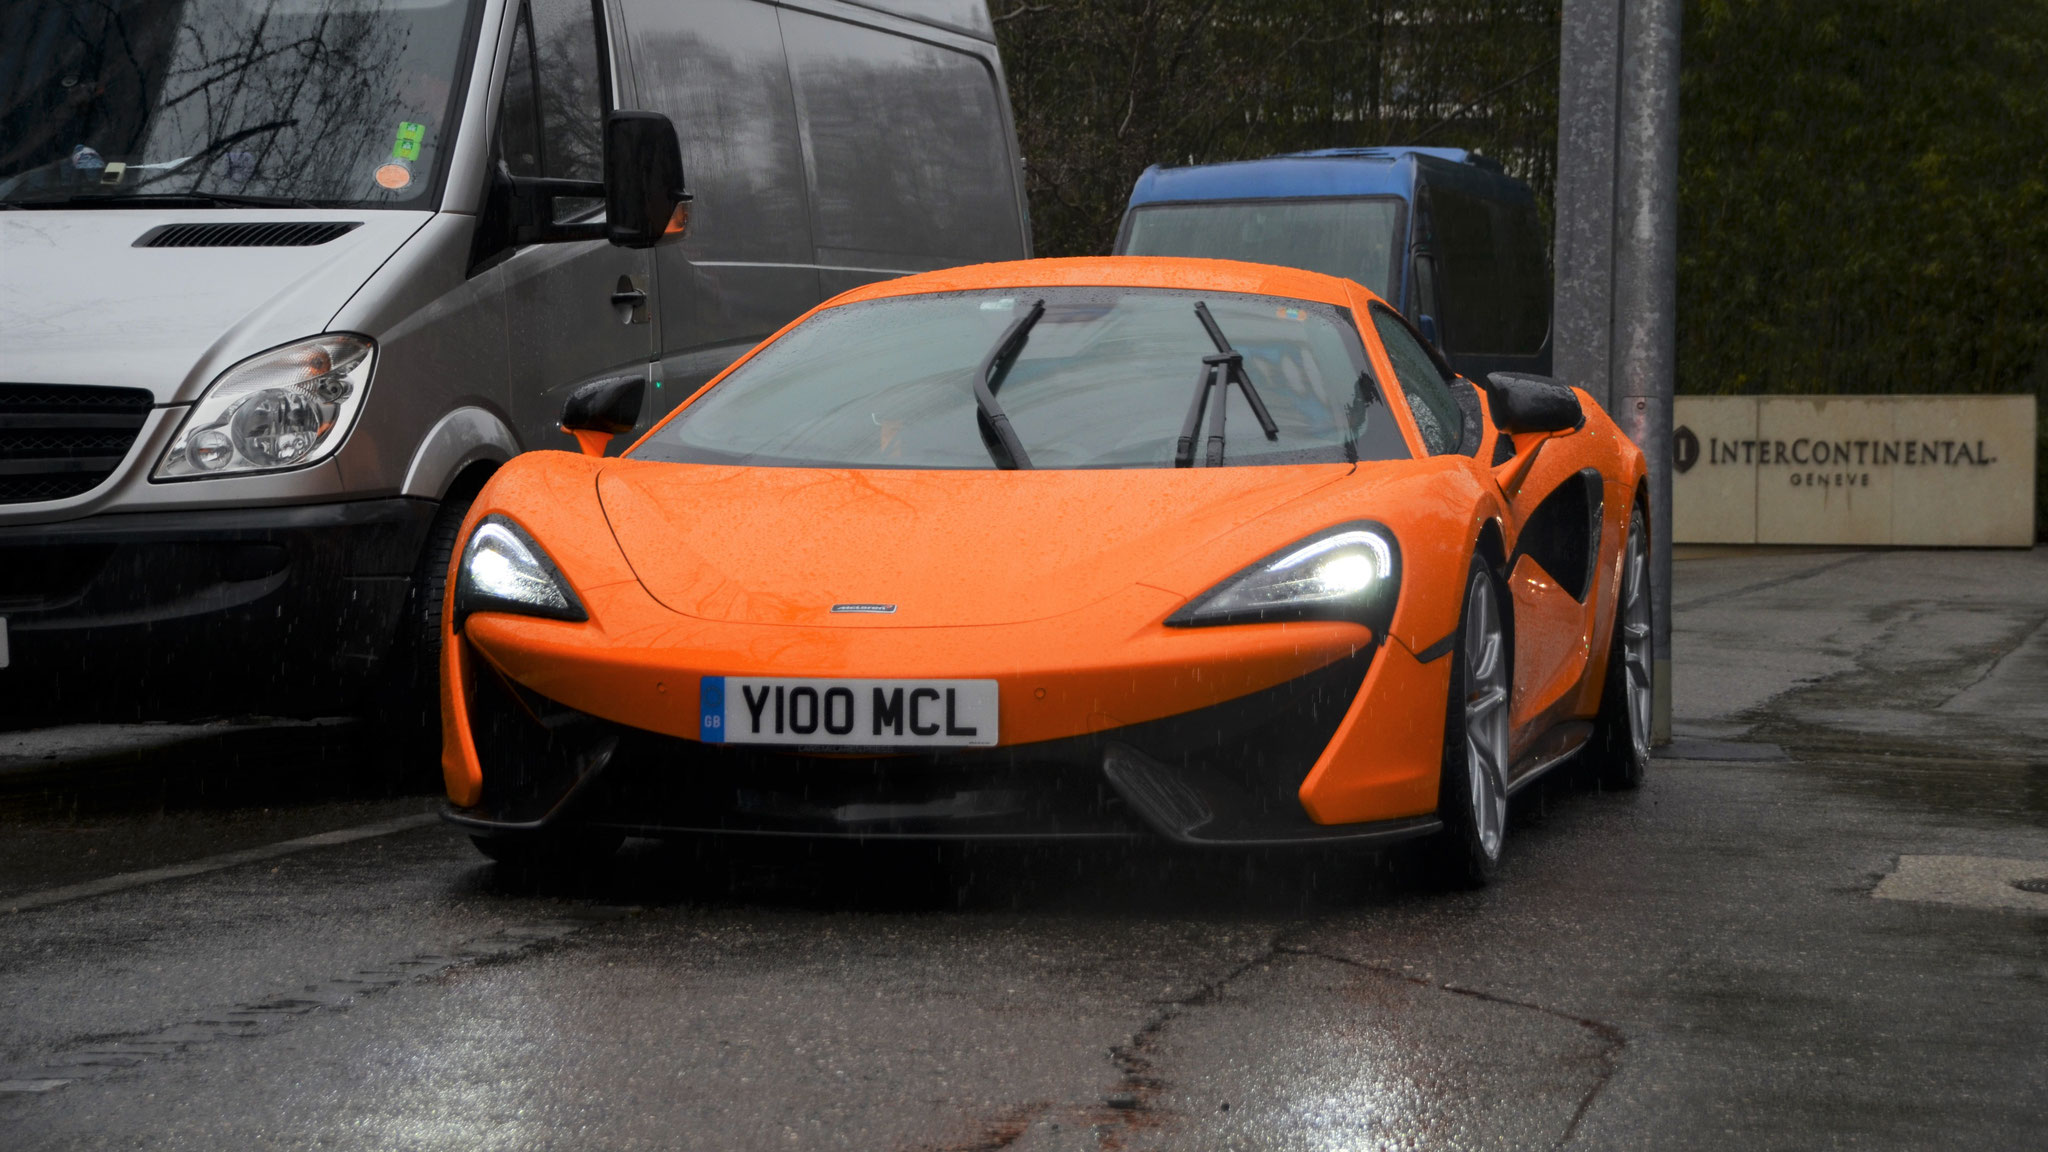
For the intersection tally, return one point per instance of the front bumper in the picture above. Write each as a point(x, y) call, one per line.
point(129, 615)
point(1337, 752)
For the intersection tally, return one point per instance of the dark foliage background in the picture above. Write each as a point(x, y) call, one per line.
point(1864, 183)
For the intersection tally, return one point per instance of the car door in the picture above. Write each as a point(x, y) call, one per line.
point(577, 310)
point(1549, 573)
point(1555, 503)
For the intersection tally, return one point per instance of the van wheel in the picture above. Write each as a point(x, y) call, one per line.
point(410, 708)
point(1472, 799)
point(1619, 751)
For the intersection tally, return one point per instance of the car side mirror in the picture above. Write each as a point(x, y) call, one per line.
point(602, 409)
point(644, 198)
point(1526, 403)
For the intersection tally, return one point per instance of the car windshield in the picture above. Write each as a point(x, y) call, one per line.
point(334, 102)
point(1353, 238)
point(1104, 379)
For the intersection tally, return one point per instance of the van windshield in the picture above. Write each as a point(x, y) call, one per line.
point(329, 102)
point(1102, 378)
point(1355, 238)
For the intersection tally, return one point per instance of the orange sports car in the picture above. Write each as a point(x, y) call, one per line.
point(1212, 551)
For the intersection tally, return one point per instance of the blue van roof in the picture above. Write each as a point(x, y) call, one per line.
point(1324, 172)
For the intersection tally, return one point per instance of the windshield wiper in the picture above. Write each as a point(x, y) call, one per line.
point(1003, 445)
point(1217, 374)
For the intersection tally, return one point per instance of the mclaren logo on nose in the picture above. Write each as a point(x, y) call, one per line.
point(880, 609)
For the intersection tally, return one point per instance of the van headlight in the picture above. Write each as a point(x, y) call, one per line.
point(1348, 572)
point(284, 408)
point(503, 570)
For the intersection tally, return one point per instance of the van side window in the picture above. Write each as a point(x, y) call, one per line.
point(552, 120)
point(1496, 286)
point(571, 88)
point(1429, 400)
point(519, 115)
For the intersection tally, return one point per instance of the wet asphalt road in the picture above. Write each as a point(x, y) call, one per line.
point(1712, 962)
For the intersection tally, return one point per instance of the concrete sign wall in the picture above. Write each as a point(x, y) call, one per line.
point(1954, 471)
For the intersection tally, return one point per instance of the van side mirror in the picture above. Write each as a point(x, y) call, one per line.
point(1525, 403)
point(602, 409)
point(643, 179)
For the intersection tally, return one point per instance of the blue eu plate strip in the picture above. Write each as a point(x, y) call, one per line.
point(711, 691)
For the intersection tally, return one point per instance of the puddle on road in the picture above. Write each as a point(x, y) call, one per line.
point(1922, 780)
point(1974, 881)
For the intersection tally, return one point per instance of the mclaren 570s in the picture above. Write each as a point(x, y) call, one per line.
point(1216, 552)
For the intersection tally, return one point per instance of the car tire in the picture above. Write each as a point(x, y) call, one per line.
point(1619, 751)
point(1472, 796)
point(552, 852)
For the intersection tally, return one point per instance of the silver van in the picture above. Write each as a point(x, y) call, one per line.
point(283, 281)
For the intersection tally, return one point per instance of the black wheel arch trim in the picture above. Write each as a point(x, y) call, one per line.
point(1490, 548)
point(1438, 650)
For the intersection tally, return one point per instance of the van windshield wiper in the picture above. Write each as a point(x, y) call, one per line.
point(1218, 373)
point(1003, 446)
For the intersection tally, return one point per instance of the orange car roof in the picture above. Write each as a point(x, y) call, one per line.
point(1122, 271)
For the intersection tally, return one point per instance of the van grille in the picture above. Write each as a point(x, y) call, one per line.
point(59, 440)
point(284, 234)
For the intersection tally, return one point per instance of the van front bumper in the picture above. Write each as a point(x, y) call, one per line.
point(284, 611)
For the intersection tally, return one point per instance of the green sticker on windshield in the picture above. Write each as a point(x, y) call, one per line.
point(407, 146)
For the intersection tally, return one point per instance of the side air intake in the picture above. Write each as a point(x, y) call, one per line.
point(280, 234)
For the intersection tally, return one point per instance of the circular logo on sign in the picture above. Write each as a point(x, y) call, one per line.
point(1685, 449)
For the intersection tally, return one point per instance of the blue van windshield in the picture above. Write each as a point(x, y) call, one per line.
point(1352, 237)
point(334, 102)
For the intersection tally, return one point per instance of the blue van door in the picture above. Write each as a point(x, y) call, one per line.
point(1478, 270)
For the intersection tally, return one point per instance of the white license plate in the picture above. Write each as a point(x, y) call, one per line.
point(848, 713)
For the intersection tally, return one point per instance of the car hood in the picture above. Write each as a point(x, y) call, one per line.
point(80, 304)
point(945, 549)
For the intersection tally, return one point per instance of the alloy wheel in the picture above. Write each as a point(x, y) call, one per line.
point(1486, 714)
point(1635, 639)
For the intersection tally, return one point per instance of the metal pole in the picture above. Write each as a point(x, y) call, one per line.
point(1589, 80)
point(1645, 350)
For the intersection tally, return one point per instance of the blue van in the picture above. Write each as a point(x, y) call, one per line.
point(1443, 234)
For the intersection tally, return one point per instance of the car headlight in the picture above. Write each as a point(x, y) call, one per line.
point(503, 570)
point(284, 408)
point(1349, 572)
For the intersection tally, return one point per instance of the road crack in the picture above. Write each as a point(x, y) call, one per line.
point(1612, 1040)
point(105, 1054)
point(1129, 1106)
